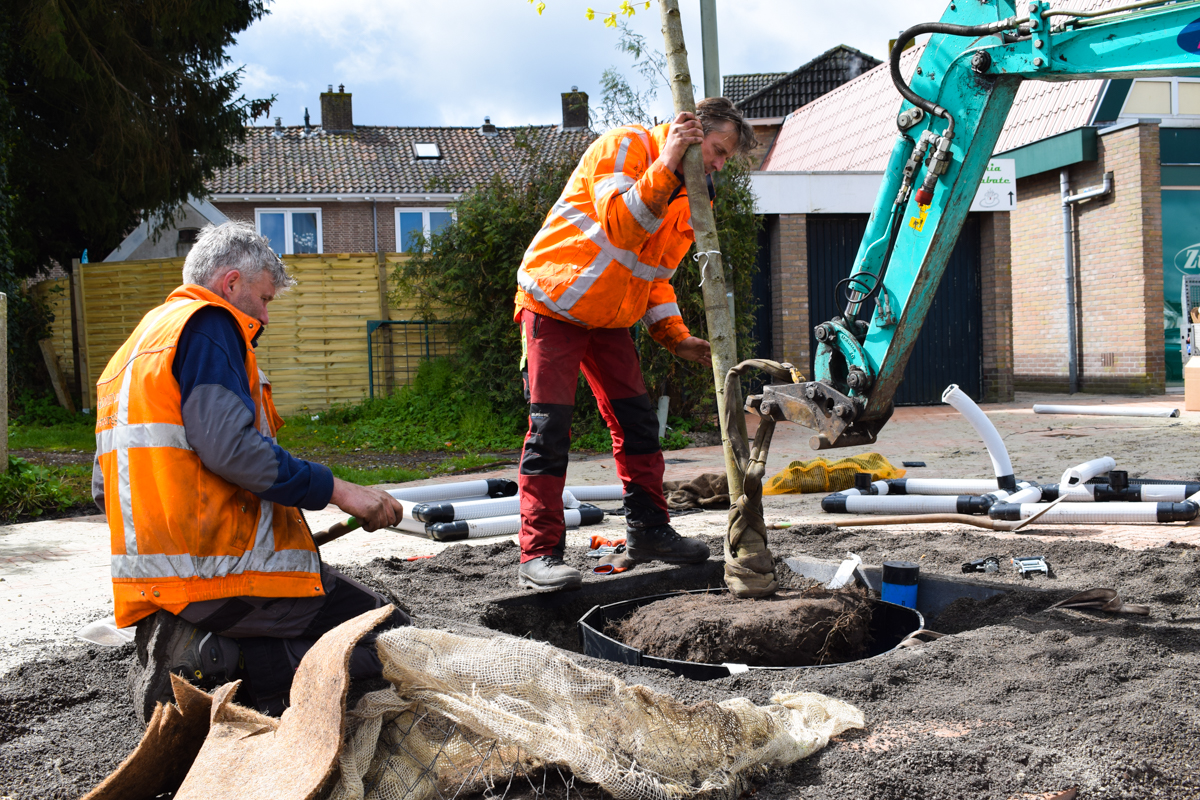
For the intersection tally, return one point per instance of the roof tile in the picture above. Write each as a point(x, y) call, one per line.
point(381, 159)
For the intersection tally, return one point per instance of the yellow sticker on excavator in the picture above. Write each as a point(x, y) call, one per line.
point(918, 222)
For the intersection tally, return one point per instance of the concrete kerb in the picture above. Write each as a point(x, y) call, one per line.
point(54, 574)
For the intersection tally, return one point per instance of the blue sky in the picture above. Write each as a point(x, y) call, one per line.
point(451, 62)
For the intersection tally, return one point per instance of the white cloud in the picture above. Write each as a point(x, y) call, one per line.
point(452, 62)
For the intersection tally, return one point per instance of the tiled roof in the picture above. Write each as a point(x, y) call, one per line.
point(852, 128)
point(736, 88)
point(792, 90)
point(849, 129)
point(381, 159)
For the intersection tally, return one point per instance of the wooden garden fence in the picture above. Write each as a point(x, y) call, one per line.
point(314, 350)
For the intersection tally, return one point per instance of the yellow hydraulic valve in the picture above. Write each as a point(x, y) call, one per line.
point(823, 475)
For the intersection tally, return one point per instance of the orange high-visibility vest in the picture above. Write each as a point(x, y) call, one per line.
point(608, 248)
point(180, 533)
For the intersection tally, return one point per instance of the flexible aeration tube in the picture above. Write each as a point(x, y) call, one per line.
point(840, 503)
point(1106, 411)
point(488, 487)
point(1082, 473)
point(1103, 493)
point(507, 525)
point(987, 431)
point(590, 494)
point(1098, 513)
point(939, 486)
point(474, 509)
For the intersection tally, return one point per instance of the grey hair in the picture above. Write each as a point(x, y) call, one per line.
point(229, 246)
point(716, 112)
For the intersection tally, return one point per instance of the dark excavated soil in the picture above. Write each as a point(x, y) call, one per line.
point(1017, 702)
point(791, 629)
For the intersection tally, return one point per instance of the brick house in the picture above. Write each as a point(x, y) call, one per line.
point(338, 187)
point(1131, 247)
point(765, 98)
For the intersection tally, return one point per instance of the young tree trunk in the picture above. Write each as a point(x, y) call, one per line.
point(721, 333)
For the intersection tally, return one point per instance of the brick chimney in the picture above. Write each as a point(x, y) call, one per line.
point(575, 110)
point(337, 114)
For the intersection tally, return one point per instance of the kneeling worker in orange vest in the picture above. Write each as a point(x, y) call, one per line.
point(211, 556)
point(603, 261)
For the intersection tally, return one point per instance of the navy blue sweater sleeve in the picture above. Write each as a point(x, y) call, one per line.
point(218, 417)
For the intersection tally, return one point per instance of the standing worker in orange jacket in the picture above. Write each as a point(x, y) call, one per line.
point(603, 261)
point(211, 555)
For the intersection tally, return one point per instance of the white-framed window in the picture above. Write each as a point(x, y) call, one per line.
point(290, 230)
point(424, 221)
point(1163, 97)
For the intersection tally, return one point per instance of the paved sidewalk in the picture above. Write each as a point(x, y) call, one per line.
point(54, 575)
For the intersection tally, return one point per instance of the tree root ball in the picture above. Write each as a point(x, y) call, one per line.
point(789, 629)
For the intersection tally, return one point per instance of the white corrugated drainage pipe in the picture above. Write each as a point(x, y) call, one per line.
point(590, 494)
point(938, 486)
point(1106, 411)
point(847, 503)
point(987, 431)
point(1097, 513)
point(507, 525)
point(1082, 473)
point(474, 509)
point(457, 490)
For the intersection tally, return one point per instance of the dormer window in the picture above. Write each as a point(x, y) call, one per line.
point(426, 150)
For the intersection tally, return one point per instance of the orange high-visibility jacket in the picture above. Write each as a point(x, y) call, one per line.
point(608, 248)
point(180, 533)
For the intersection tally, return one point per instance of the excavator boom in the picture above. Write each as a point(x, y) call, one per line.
point(949, 121)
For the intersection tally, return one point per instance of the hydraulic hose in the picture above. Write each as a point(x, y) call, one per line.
point(938, 27)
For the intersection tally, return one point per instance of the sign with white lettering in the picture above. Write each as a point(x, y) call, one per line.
point(998, 187)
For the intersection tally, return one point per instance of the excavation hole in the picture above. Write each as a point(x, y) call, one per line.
point(711, 634)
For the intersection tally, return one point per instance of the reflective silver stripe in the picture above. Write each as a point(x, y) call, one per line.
point(664, 273)
point(645, 137)
point(620, 183)
point(123, 493)
point(660, 312)
point(146, 434)
point(152, 567)
point(622, 151)
point(530, 286)
point(640, 211)
point(264, 537)
point(584, 280)
point(592, 230)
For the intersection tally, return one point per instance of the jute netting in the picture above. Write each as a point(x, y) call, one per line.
point(466, 715)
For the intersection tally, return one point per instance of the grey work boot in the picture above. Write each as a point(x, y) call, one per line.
point(166, 643)
point(548, 574)
point(663, 543)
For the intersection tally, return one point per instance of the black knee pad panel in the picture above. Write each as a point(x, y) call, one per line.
point(640, 424)
point(549, 439)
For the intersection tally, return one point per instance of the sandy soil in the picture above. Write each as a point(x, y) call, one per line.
point(1017, 701)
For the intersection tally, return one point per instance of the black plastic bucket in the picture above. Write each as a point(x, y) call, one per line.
point(890, 625)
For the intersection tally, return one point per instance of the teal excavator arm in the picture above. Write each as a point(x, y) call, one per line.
point(951, 117)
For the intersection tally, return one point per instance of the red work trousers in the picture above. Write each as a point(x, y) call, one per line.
point(555, 352)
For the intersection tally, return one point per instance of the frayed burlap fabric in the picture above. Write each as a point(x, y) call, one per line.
point(749, 564)
point(467, 714)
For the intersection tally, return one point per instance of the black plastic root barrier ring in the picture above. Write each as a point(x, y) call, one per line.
point(890, 625)
point(901, 573)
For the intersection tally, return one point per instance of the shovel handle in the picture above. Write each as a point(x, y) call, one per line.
point(335, 531)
